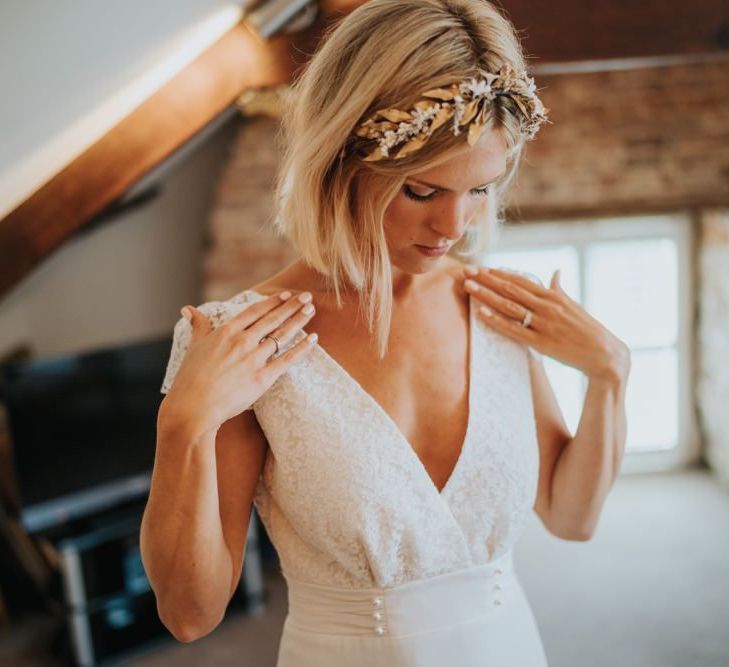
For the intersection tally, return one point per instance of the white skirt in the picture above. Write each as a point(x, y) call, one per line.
point(474, 617)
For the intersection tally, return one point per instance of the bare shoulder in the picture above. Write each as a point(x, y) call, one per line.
point(452, 278)
point(454, 264)
point(292, 277)
point(454, 267)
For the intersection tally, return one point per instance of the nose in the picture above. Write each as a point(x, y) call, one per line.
point(451, 220)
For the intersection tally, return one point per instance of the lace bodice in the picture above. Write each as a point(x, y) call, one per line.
point(344, 497)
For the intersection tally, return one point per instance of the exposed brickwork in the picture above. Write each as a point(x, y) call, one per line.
point(632, 140)
point(243, 248)
point(712, 374)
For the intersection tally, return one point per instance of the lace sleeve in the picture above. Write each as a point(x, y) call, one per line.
point(217, 312)
point(181, 335)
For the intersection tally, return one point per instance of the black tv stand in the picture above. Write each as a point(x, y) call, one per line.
point(107, 602)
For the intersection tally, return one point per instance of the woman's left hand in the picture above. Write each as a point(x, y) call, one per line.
point(559, 328)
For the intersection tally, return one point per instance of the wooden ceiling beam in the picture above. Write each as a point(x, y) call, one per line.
point(570, 30)
point(576, 30)
point(238, 61)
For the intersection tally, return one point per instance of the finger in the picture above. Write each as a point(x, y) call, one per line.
point(522, 281)
point(276, 367)
point(255, 311)
point(199, 322)
point(511, 328)
point(284, 333)
point(515, 292)
point(272, 320)
point(509, 301)
point(504, 306)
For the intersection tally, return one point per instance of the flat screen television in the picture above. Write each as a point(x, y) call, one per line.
point(83, 429)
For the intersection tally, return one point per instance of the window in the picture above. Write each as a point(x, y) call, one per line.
point(634, 276)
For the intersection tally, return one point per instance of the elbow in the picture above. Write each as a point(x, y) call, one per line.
point(186, 634)
point(183, 633)
point(582, 535)
point(574, 533)
point(567, 526)
point(186, 616)
point(186, 631)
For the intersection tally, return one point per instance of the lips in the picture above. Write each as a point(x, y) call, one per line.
point(428, 251)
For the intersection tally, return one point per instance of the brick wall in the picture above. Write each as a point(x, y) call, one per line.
point(712, 338)
point(629, 141)
point(648, 139)
point(642, 140)
point(242, 246)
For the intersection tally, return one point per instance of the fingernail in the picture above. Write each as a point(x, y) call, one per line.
point(284, 295)
point(470, 269)
point(185, 312)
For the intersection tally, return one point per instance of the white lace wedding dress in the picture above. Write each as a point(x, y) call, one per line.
point(381, 567)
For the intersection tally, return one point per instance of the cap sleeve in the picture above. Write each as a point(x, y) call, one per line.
point(181, 335)
point(217, 312)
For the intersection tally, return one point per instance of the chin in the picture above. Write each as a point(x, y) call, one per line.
point(418, 264)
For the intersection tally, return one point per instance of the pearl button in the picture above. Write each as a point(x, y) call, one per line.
point(377, 602)
point(497, 587)
point(499, 571)
point(380, 630)
point(377, 615)
point(497, 602)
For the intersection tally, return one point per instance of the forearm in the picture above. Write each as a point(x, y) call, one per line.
point(181, 539)
point(589, 463)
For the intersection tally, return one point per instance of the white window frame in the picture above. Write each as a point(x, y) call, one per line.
point(677, 226)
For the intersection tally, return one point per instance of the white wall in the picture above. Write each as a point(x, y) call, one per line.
point(69, 71)
point(712, 379)
point(125, 280)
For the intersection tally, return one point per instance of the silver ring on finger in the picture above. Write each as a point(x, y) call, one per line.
point(275, 340)
point(527, 318)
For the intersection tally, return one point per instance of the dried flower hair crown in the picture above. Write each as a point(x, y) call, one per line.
point(466, 103)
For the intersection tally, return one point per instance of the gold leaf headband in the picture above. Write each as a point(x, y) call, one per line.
point(465, 102)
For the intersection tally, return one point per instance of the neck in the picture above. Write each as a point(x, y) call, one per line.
point(405, 285)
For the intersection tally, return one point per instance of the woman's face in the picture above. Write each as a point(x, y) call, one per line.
point(439, 213)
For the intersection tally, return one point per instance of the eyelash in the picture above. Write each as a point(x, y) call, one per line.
point(416, 197)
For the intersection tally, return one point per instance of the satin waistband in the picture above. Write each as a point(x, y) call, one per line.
point(416, 606)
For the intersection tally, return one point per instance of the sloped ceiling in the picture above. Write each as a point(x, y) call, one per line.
point(560, 32)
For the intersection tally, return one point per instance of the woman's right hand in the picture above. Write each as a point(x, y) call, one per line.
point(225, 369)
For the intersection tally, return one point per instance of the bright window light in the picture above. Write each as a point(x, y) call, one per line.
point(625, 273)
point(632, 288)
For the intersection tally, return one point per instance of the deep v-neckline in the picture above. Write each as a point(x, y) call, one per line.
point(392, 424)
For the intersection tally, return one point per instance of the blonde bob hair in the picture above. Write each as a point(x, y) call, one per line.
point(330, 204)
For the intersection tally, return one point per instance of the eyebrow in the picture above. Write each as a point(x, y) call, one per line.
point(441, 187)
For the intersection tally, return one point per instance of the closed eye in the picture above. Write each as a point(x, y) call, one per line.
point(407, 191)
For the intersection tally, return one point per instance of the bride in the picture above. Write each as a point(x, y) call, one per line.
point(394, 460)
